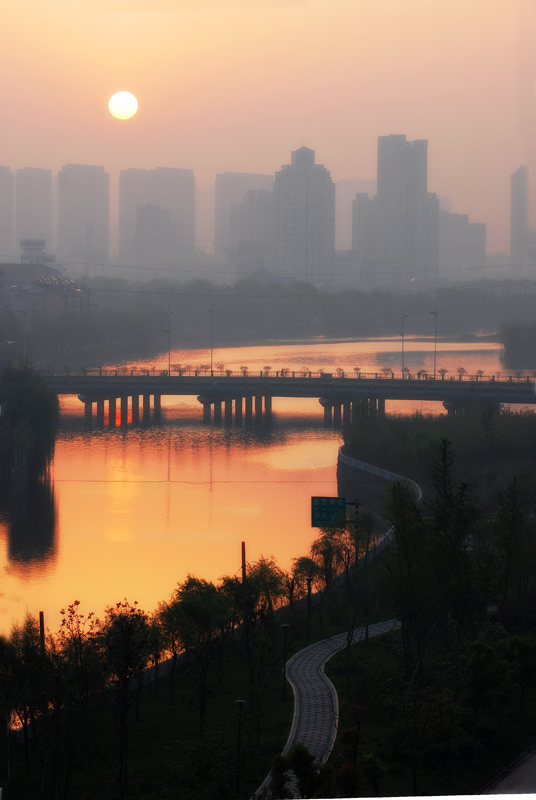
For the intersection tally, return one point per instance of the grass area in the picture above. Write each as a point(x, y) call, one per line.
point(365, 678)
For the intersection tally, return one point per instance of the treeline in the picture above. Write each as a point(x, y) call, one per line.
point(489, 448)
point(463, 583)
point(519, 340)
point(29, 421)
point(441, 707)
point(130, 315)
point(76, 694)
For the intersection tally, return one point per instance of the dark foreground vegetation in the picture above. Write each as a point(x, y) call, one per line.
point(130, 320)
point(439, 707)
point(29, 420)
point(519, 340)
point(490, 449)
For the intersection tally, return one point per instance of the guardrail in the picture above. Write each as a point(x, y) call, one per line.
point(391, 377)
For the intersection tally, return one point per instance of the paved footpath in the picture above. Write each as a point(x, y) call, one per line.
point(316, 705)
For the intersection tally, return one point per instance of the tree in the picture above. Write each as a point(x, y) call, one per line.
point(483, 677)
point(125, 642)
point(450, 524)
point(267, 581)
point(171, 623)
point(32, 415)
point(204, 616)
point(77, 658)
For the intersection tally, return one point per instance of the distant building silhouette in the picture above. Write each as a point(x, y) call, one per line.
point(83, 218)
point(33, 204)
point(242, 217)
point(403, 236)
point(166, 197)
point(402, 208)
point(519, 221)
point(304, 219)
point(7, 214)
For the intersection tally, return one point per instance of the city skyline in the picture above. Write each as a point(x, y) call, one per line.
point(398, 228)
point(233, 86)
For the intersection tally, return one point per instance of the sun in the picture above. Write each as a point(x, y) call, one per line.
point(123, 105)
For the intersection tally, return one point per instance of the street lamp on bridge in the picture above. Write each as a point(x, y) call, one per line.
point(402, 335)
point(435, 340)
point(168, 331)
point(211, 312)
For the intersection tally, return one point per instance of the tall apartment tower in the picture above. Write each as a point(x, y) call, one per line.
point(233, 193)
point(402, 207)
point(7, 215)
point(519, 220)
point(304, 219)
point(83, 218)
point(33, 204)
point(156, 222)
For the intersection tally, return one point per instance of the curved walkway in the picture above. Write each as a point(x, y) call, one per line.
point(316, 705)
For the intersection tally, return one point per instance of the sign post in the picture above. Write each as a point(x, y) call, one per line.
point(327, 511)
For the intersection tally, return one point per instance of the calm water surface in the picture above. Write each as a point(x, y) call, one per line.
point(130, 512)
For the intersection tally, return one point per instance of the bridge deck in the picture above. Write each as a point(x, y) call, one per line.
point(312, 385)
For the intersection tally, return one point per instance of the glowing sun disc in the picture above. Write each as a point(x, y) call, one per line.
point(123, 105)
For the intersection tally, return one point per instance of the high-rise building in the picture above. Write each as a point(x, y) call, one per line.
point(33, 204)
point(304, 215)
point(519, 220)
point(462, 248)
point(83, 217)
point(402, 208)
point(7, 215)
point(155, 203)
point(231, 191)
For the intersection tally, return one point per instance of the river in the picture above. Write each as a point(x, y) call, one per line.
point(129, 512)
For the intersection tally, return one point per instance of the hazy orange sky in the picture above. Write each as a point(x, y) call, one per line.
point(237, 84)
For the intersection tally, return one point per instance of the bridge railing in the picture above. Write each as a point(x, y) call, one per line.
point(338, 375)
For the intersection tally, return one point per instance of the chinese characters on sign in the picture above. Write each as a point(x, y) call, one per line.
point(327, 510)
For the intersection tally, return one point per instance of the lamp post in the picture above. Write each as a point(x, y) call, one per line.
point(309, 580)
point(168, 331)
point(211, 312)
point(285, 627)
point(435, 340)
point(240, 704)
point(402, 335)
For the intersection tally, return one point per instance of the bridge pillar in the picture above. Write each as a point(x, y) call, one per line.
point(337, 415)
point(135, 408)
point(238, 410)
point(228, 403)
point(268, 404)
point(217, 412)
point(100, 411)
point(249, 407)
point(206, 412)
point(258, 405)
point(346, 414)
point(327, 414)
point(124, 410)
point(111, 412)
point(157, 400)
point(88, 412)
point(146, 407)
point(381, 406)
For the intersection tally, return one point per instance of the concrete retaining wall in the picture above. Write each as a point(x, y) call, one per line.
point(368, 484)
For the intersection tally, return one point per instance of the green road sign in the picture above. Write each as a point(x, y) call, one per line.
point(327, 510)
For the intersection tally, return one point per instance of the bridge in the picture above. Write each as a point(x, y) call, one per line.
point(249, 393)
